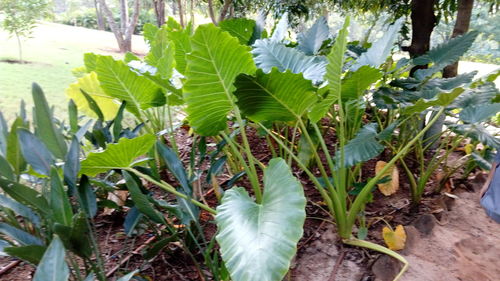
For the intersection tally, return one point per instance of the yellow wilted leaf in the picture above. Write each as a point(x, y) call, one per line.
point(469, 148)
point(91, 86)
point(391, 186)
point(396, 239)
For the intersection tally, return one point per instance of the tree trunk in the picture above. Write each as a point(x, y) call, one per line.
point(461, 27)
point(123, 36)
point(225, 8)
point(191, 12)
point(462, 24)
point(159, 6)
point(181, 12)
point(211, 12)
point(100, 19)
point(423, 22)
point(123, 15)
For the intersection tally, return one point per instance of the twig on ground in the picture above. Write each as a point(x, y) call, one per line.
point(10, 266)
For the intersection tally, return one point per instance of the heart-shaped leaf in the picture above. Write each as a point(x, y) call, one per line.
point(258, 241)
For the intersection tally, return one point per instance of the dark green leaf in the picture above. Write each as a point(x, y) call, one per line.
point(240, 28)
point(59, 200)
point(141, 200)
point(19, 209)
point(25, 195)
point(87, 197)
point(31, 253)
point(6, 169)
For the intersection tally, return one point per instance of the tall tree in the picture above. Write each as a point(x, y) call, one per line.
point(19, 18)
point(100, 19)
point(124, 30)
point(159, 7)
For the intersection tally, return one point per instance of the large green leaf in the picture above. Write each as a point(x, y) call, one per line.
point(35, 152)
point(258, 241)
point(119, 155)
point(442, 99)
point(333, 74)
point(355, 85)
point(444, 54)
point(53, 266)
point(479, 113)
point(215, 61)
point(476, 132)
point(44, 124)
point(363, 147)
point(119, 81)
point(269, 54)
point(181, 40)
point(311, 40)
point(380, 50)
point(240, 28)
point(90, 84)
point(161, 54)
point(277, 96)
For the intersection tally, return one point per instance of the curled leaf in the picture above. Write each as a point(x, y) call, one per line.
point(389, 187)
point(394, 239)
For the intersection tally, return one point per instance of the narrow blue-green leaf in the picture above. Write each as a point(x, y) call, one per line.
point(31, 253)
point(35, 152)
point(21, 236)
point(53, 266)
point(44, 124)
point(258, 241)
point(3, 135)
point(71, 166)
point(131, 220)
point(19, 209)
point(128, 276)
point(59, 200)
point(6, 169)
point(141, 200)
point(25, 195)
point(87, 197)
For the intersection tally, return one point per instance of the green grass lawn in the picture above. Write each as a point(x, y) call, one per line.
point(52, 52)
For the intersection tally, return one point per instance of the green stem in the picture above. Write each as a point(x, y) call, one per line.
point(381, 249)
point(172, 190)
point(361, 198)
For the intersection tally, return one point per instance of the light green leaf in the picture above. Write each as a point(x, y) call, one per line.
point(269, 54)
point(333, 74)
point(90, 84)
point(380, 50)
point(181, 40)
point(14, 155)
point(53, 267)
point(119, 155)
point(277, 96)
point(354, 86)
point(161, 54)
point(119, 81)
point(149, 31)
point(217, 58)
point(258, 241)
point(311, 40)
point(44, 124)
point(240, 28)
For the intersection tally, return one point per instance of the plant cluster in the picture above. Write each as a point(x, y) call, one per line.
point(322, 105)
